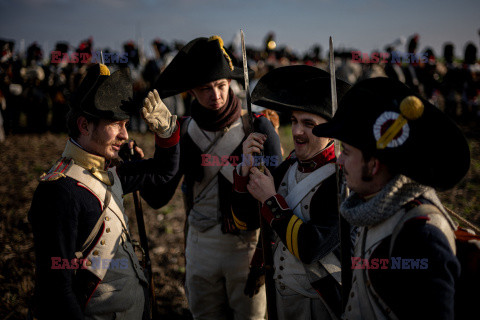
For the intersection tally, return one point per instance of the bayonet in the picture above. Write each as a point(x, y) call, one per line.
point(344, 227)
point(333, 84)
point(266, 246)
point(247, 81)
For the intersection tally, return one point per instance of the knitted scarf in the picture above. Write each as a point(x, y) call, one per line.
point(216, 120)
point(398, 192)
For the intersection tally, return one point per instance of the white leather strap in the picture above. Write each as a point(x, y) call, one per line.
point(298, 191)
point(224, 146)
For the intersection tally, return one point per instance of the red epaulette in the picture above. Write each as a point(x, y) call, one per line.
point(57, 171)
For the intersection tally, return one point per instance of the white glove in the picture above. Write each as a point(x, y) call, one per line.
point(157, 116)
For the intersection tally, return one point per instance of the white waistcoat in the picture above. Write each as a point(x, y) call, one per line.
point(205, 212)
point(290, 271)
point(112, 259)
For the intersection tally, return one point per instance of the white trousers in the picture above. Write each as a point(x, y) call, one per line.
point(216, 273)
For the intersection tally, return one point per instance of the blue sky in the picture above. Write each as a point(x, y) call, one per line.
point(365, 25)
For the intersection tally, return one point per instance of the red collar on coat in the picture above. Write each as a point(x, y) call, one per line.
point(325, 156)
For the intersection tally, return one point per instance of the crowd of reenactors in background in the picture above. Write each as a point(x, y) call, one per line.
point(34, 86)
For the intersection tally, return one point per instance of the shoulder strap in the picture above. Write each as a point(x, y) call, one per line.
point(333, 266)
point(298, 191)
point(436, 218)
point(96, 228)
point(184, 127)
point(375, 307)
point(223, 145)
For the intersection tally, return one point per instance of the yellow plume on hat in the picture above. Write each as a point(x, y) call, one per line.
point(218, 38)
point(220, 42)
point(411, 108)
point(104, 71)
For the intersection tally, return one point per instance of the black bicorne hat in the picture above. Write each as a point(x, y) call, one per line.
point(105, 96)
point(200, 61)
point(384, 118)
point(299, 87)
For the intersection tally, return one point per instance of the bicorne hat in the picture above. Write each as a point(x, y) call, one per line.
point(384, 118)
point(299, 87)
point(200, 61)
point(105, 96)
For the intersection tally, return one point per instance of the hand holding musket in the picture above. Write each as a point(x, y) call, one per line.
point(251, 148)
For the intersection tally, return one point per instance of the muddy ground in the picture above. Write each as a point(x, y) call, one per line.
point(23, 158)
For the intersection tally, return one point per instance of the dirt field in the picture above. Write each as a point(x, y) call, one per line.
point(23, 158)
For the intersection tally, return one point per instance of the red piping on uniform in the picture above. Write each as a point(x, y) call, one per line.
point(88, 300)
point(426, 218)
point(65, 167)
point(61, 162)
point(318, 292)
point(87, 188)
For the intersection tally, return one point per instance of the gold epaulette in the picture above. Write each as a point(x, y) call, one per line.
point(57, 170)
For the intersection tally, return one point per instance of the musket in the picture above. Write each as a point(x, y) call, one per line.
point(266, 245)
point(344, 227)
point(147, 263)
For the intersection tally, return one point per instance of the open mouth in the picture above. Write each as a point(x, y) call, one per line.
point(300, 142)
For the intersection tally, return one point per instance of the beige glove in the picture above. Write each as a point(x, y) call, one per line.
point(157, 116)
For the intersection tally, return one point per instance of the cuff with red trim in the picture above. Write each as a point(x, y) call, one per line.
point(274, 208)
point(239, 182)
point(169, 142)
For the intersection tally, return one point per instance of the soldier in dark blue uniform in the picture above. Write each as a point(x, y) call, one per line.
point(86, 267)
point(396, 149)
point(299, 198)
